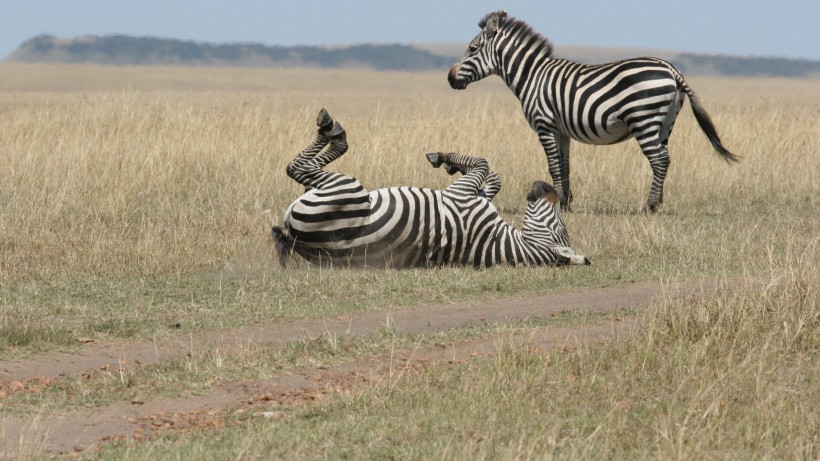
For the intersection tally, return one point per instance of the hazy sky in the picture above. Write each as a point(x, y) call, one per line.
point(739, 27)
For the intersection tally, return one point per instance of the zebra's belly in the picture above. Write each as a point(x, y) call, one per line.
point(613, 132)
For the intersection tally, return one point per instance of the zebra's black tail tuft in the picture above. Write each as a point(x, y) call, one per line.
point(708, 127)
point(284, 244)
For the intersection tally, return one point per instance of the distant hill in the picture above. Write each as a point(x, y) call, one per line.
point(128, 50)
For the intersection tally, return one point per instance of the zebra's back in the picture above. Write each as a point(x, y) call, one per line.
point(596, 104)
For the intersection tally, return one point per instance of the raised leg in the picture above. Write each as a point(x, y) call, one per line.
point(337, 135)
point(325, 124)
point(306, 168)
point(492, 183)
point(474, 169)
point(440, 160)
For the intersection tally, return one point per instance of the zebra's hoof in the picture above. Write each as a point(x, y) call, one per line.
point(337, 132)
point(324, 121)
point(435, 159)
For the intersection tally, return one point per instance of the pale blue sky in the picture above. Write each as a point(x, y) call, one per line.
point(738, 27)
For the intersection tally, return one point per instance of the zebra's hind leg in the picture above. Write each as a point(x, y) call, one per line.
point(324, 121)
point(658, 157)
point(337, 135)
point(327, 126)
point(306, 168)
point(323, 137)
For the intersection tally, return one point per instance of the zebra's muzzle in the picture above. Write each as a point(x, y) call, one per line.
point(455, 82)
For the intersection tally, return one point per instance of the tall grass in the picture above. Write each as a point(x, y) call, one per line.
point(156, 182)
point(136, 193)
point(135, 198)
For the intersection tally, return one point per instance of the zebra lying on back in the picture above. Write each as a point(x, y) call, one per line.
point(599, 104)
point(338, 222)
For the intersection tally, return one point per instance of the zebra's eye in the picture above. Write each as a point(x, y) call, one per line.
point(473, 45)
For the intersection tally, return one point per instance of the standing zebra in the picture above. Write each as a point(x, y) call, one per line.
point(338, 222)
point(598, 104)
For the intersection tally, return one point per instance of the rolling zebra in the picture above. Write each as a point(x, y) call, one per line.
point(594, 104)
point(338, 222)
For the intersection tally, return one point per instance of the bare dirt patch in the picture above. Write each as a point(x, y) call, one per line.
point(141, 419)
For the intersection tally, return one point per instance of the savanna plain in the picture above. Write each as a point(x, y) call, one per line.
point(136, 206)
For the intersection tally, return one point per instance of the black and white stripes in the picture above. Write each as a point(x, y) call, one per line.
point(338, 222)
point(595, 104)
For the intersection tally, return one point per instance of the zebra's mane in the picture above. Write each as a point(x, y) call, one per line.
point(516, 26)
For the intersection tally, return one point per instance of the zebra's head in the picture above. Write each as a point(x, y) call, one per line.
point(543, 224)
point(480, 59)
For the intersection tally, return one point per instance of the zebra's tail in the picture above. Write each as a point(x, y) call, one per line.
point(284, 244)
point(705, 122)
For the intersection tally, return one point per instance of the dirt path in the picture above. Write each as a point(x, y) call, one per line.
point(86, 428)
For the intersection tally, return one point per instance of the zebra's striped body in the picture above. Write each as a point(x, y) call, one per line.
point(337, 221)
point(595, 104)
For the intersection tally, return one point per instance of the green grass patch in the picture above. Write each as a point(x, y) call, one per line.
point(31, 338)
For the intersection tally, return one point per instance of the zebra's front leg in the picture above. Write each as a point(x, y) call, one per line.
point(455, 163)
point(658, 157)
point(557, 165)
point(439, 159)
point(463, 164)
point(474, 169)
point(491, 187)
point(563, 150)
point(554, 165)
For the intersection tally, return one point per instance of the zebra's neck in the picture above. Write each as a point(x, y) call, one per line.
point(521, 52)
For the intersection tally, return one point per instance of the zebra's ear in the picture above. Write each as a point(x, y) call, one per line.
point(493, 21)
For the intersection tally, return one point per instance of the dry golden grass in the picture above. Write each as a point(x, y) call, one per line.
point(117, 181)
point(164, 170)
point(133, 198)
